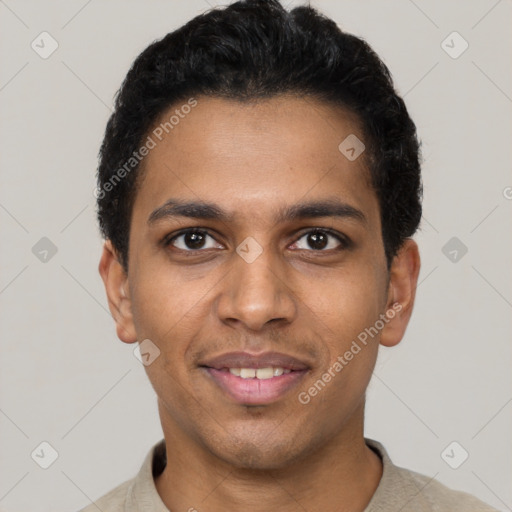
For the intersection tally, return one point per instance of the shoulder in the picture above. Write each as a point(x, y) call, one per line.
point(137, 493)
point(113, 501)
point(440, 498)
point(408, 491)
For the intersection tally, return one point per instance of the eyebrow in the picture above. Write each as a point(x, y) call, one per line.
point(306, 210)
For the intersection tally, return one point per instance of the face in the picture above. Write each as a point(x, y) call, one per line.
point(279, 263)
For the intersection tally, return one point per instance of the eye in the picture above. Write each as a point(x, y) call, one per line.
point(192, 240)
point(318, 239)
point(321, 240)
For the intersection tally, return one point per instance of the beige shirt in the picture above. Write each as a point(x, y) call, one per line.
point(399, 490)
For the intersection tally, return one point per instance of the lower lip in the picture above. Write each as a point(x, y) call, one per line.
point(255, 391)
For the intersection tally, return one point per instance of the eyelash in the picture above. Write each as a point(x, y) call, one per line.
point(345, 242)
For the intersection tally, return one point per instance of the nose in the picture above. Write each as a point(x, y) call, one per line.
point(256, 294)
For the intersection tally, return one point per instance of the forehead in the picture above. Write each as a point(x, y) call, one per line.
point(252, 156)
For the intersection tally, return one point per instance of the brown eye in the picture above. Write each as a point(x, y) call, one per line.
point(320, 240)
point(193, 240)
point(317, 241)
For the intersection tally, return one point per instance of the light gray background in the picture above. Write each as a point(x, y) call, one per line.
point(66, 378)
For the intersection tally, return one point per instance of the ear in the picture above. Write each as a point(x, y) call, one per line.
point(115, 280)
point(403, 280)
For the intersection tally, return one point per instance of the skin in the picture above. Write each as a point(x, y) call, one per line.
point(252, 159)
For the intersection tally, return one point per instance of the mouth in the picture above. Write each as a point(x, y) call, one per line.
point(249, 379)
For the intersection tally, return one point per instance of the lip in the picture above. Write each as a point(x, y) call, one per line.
point(255, 391)
point(262, 360)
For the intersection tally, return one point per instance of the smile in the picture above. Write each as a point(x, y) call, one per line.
point(258, 373)
point(255, 386)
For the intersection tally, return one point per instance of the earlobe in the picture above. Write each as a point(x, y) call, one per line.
point(401, 293)
point(115, 281)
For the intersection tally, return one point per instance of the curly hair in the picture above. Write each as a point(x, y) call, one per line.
point(256, 49)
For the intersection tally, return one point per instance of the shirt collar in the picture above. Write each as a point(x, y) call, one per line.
point(142, 495)
point(394, 486)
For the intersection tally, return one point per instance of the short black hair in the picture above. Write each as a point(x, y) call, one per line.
point(257, 49)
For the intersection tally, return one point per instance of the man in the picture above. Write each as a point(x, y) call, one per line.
point(258, 188)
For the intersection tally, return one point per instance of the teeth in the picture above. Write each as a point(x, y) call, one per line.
point(264, 373)
point(258, 373)
point(247, 373)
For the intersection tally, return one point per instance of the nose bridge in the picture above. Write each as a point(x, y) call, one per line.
point(255, 292)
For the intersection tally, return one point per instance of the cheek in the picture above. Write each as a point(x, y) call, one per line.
point(170, 310)
point(167, 316)
point(163, 301)
point(344, 304)
point(344, 311)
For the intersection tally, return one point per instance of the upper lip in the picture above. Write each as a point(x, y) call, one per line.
point(262, 360)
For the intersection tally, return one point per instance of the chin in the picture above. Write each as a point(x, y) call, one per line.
point(261, 452)
point(255, 459)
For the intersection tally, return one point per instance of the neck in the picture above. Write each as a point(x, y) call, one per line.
point(342, 475)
